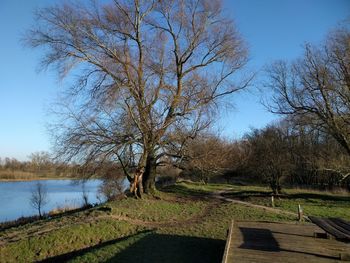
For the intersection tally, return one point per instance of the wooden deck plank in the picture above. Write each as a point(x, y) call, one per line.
point(276, 242)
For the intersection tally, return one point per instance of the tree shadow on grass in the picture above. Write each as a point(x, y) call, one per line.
point(76, 253)
point(243, 195)
point(311, 197)
point(184, 191)
point(172, 248)
point(152, 247)
point(319, 196)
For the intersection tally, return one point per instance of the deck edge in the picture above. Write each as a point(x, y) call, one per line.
point(228, 243)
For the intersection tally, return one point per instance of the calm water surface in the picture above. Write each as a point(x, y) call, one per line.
point(15, 196)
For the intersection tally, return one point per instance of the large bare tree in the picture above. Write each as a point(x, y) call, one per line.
point(145, 70)
point(316, 88)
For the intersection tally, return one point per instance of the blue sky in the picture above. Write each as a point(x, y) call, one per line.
point(273, 29)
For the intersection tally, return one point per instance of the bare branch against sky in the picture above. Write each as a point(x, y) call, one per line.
point(270, 29)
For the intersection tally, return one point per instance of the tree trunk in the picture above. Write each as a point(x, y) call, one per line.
point(136, 184)
point(275, 184)
point(149, 175)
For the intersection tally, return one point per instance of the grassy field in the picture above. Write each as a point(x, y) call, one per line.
point(183, 224)
point(315, 203)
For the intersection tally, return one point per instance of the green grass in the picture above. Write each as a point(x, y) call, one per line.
point(317, 203)
point(184, 224)
point(156, 210)
point(195, 189)
point(65, 239)
point(313, 203)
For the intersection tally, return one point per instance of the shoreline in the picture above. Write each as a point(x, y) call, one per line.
point(38, 179)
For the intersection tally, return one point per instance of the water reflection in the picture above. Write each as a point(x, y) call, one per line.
point(15, 196)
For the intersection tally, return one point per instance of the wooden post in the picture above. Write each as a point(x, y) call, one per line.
point(272, 201)
point(300, 213)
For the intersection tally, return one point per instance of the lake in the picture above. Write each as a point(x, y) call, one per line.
point(15, 196)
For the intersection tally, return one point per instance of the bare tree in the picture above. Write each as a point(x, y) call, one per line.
point(293, 154)
point(112, 187)
point(39, 197)
point(207, 156)
point(85, 195)
point(316, 88)
point(146, 69)
point(269, 159)
point(40, 160)
point(113, 182)
point(315, 153)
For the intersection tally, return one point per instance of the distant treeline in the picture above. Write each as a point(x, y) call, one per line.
point(279, 154)
point(40, 165)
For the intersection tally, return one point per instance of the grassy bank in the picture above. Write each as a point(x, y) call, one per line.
point(9, 175)
point(183, 224)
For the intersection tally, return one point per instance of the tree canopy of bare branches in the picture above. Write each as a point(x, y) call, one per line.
point(146, 69)
point(208, 155)
point(316, 88)
point(269, 156)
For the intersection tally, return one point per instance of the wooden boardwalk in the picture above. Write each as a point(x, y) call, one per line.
point(281, 242)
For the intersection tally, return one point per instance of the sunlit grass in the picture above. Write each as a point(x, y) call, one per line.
point(313, 202)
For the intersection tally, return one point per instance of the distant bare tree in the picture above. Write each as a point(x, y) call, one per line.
point(269, 159)
point(146, 69)
point(316, 88)
point(39, 197)
point(207, 156)
point(85, 195)
point(40, 160)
